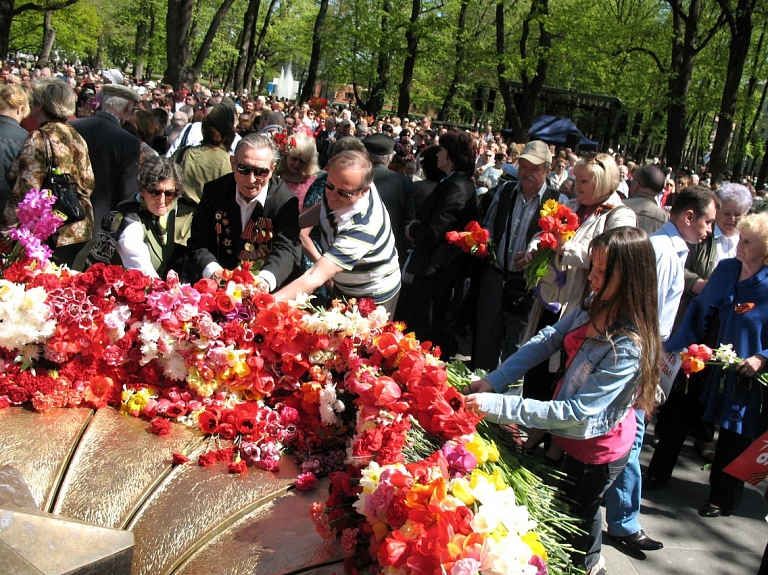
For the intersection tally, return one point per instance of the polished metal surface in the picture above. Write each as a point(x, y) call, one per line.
point(272, 540)
point(116, 466)
point(39, 445)
point(14, 490)
point(110, 470)
point(55, 545)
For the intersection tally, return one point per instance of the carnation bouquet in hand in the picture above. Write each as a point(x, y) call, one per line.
point(37, 223)
point(558, 224)
point(474, 240)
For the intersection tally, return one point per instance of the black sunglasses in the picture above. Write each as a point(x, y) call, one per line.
point(592, 157)
point(156, 193)
point(245, 170)
point(342, 193)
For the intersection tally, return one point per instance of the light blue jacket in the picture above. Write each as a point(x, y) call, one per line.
point(600, 385)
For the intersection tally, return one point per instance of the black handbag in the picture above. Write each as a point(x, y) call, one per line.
point(68, 206)
point(516, 298)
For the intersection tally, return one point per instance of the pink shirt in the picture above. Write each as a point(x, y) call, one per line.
point(605, 448)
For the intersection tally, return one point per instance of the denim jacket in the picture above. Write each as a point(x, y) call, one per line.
point(599, 387)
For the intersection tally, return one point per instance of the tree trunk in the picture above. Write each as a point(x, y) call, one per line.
point(381, 83)
point(458, 69)
point(244, 41)
point(740, 24)
point(257, 44)
point(142, 39)
point(412, 47)
point(179, 21)
point(6, 18)
point(519, 119)
point(738, 152)
point(49, 36)
point(314, 61)
point(762, 177)
point(205, 47)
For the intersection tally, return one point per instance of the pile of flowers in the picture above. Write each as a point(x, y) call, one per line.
point(344, 390)
point(452, 512)
point(474, 240)
point(558, 224)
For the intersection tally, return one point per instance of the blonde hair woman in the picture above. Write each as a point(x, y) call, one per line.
point(14, 107)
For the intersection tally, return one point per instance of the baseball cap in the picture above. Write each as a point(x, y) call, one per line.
point(536, 152)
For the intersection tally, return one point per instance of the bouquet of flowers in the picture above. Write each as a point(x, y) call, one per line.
point(474, 240)
point(37, 223)
point(697, 356)
point(558, 224)
point(285, 142)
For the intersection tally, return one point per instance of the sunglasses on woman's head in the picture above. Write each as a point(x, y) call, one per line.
point(245, 170)
point(592, 157)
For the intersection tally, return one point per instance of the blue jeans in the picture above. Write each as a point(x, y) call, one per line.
point(622, 501)
point(584, 488)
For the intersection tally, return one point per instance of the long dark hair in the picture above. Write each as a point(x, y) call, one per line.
point(633, 309)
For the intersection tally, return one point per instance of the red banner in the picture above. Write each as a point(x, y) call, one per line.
point(752, 465)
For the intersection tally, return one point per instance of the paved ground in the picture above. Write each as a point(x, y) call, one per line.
point(693, 545)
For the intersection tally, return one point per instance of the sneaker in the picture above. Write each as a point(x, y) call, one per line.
point(598, 568)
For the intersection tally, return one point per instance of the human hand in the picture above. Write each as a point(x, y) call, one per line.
point(751, 365)
point(473, 402)
point(261, 285)
point(521, 258)
point(480, 386)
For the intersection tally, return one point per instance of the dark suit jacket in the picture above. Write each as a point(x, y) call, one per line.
point(114, 155)
point(507, 199)
point(450, 206)
point(396, 192)
point(217, 229)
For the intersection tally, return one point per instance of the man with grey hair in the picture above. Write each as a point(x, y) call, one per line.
point(359, 252)
point(113, 151)
point(395, 189)
point(247, 216)
point(647, 183)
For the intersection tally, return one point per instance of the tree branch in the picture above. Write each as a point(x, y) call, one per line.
point(650, 53)
point(37, 8)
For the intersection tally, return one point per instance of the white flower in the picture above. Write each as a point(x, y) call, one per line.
point(24, 315)
point(302, 300)
point(726, 355)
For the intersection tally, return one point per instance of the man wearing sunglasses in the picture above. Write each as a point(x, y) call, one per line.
point(358, 246)
point(247, 216)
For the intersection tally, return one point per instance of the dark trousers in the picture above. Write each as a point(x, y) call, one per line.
point(429, 310)
point(725, 490)
point(675, 420)
point(584, 487)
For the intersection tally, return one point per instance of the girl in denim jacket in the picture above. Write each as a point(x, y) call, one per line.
point(613, 349)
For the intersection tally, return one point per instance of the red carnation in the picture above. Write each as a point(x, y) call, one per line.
point(306, 481)
point(207, 459)
point(179, 458)
point(240, 467)
point(160, 426)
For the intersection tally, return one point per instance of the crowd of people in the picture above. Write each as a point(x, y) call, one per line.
point(327, 201)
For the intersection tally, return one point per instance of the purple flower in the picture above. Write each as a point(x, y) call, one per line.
point(460, 460)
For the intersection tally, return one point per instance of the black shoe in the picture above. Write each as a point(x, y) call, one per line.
point(651, 483)
point(638, 541)
point(710, 510)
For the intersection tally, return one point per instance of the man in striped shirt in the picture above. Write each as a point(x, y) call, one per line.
point(358, 246)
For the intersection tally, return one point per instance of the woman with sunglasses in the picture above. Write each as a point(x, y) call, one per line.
point(139, 234)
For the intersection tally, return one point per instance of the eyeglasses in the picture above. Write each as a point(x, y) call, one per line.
point(592, 157)
point(246, 170)
point(157, 192)
point(342, 193)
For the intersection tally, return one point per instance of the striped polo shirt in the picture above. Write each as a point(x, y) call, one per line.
point(360, 241)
